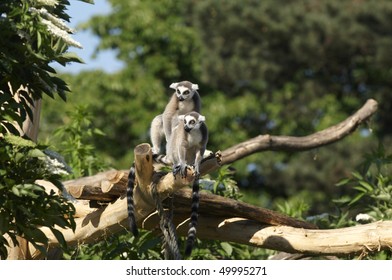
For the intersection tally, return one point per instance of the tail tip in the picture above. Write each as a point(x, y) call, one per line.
point(135, 231)
point(188, 251)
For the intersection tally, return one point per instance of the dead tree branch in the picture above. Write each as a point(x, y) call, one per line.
point(289, 143)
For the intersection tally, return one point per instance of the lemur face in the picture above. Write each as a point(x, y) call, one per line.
point(184, 93)
point(184, 90)
point(192, 121)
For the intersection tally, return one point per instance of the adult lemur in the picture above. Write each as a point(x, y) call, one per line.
point(185, 99)
point(186, 138)
point(186, 146)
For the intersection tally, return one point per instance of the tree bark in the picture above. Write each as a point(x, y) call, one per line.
point(105, 186)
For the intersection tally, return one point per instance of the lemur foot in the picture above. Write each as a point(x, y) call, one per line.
point(180, 168)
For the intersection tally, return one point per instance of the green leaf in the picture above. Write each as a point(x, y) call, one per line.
point(36, 153)
point(4, 223)
point(384, 197)
point(10, 127)
point(342, 182)
point(69, 57)
point(366, 185)
point(357, 175)
point(16, 190)
point(88, 1)
point(59, 236)
point(19, 141)
point(342, 200)
point(35, 235)
point(358, 197)
point(39, 40)
point(227, 248)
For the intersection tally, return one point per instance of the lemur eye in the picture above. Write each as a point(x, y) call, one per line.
point(192, 122)
point(186, 92)
point(178, 91)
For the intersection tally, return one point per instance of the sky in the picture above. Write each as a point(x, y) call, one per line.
point(106, 60)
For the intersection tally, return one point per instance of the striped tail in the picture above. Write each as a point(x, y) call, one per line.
point(194, 216)
point(161, 159)
point(131, 207)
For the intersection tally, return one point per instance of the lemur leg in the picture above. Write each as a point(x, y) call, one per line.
point(156, 134)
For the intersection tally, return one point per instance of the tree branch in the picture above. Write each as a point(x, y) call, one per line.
point(291, 143)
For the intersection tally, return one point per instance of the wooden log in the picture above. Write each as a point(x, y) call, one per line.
point(225, 207)
point(104, 186)
point(357, 240)
point(351, 240)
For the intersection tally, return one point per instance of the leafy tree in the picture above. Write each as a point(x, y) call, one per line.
point(34, 34)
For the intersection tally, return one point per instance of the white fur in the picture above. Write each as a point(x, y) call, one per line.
point(174, 85)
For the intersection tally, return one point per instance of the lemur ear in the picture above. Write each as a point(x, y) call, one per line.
point(202, 118)
point(181, 117)
point(173, 85)
point(195, 86)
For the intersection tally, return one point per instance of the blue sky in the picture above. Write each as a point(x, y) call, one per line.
point(81, 12)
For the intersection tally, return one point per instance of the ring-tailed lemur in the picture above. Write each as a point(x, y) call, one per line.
point(185, 99)
point(186, 146)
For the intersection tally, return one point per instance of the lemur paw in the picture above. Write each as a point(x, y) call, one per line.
point(180, 168)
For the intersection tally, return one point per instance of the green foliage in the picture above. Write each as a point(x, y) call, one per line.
point(34, 34)
point(222, 184)
point(218, 250)
point(76, 137)
point(120, 247)
point(370, 199)
point(372, 188)
point(295, 207)
point(25, 206)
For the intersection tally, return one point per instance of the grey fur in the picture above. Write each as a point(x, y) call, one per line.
point(186, 146)
point(180, 103)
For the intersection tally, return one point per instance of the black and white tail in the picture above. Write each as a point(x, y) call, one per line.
point(131, 207)
point(161, 159)
point(194, 217)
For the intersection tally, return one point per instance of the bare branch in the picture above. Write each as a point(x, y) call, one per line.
point(291, 143)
